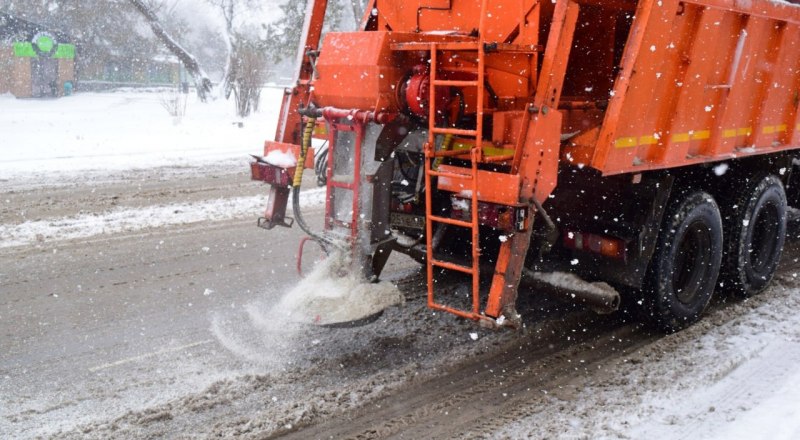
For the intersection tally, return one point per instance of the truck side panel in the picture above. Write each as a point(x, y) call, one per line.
point(700, 81)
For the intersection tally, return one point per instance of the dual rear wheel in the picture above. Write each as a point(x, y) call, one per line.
point(696, 248)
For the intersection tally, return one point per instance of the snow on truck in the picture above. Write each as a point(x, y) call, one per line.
point(650, 144)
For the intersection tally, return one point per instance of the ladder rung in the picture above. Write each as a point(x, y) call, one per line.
point(498, 158)
point(455, 131)
point(450, 221)
point(450, 175)
point(452, 266)
point(343, 178)
point(452, 45)
point(455, 83)
point(343, 185)
point(341, 223)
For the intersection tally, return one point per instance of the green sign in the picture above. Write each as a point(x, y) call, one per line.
point(66, 51)
point(44, 42)
point(27, 50)
point(24, 50)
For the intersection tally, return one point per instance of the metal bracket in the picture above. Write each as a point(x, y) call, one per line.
point(312, 60)
point(265, 223)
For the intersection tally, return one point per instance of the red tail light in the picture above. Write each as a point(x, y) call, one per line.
point(595, 243)
point(502, 217)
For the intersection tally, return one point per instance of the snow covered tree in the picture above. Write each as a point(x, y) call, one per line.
point(283, 35)
point(246, 65)
point(202, 83)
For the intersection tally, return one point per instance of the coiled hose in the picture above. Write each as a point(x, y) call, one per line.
point(324, 242)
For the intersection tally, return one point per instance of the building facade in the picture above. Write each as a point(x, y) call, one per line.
point(35, 62)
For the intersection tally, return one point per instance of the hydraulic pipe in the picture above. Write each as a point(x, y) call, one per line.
point(570, 288)
point(308, 130)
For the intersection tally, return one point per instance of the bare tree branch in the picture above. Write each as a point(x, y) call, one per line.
point(202, 83)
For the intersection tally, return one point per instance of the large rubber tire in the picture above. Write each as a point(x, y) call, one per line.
point(686, 263)
point(755, 233)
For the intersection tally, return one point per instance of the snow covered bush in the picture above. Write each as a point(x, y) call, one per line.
point(174, 102)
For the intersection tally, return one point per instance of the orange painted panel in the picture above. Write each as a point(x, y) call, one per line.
point(643, 88)
point(792, 116)
point(702, 80)
point(502, 22)
point(493, 187)
point(356, 71)
point(785, 90)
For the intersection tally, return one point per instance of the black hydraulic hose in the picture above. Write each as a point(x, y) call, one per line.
point(462, 105)
point(324, 242)
point(408, 159)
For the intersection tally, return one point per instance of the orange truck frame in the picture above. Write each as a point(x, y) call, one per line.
point(651, 144)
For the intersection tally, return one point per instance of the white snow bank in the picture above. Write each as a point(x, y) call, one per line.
point(136, 219)
point(125, 130)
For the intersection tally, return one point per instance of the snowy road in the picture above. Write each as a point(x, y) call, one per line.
point(77, 317)
point(136, 297)
point(161, 332)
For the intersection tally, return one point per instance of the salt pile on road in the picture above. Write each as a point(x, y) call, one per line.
point(325, 297)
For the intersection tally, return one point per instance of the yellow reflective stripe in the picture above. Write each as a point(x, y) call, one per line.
point(699, 135)
point(494, 151)
point(461, 145)
point(680, 137)
point(772, 129)
point(648, 140)
point(625, 142)
point(491, 151)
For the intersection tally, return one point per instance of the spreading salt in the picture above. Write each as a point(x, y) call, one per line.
point(327, 297)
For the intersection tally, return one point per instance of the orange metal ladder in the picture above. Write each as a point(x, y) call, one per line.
point(470, 179)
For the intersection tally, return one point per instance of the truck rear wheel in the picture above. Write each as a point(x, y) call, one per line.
point(686, 262)
point(755, 233)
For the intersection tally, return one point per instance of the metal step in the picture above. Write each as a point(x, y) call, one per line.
point(455, 83)
point(455, 131)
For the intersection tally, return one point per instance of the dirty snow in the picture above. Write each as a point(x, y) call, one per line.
point(129, 220)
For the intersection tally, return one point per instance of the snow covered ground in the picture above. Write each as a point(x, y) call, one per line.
point(125, 130)
point(734, 375)
point(95, 137)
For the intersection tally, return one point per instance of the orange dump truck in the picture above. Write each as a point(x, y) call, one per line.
point(651, 144)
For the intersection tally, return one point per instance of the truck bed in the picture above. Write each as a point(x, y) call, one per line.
point(697, 81)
